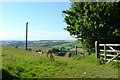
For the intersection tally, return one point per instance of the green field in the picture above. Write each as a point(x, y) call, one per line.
point(25, 64)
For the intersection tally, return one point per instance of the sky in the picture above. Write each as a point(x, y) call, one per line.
point(45, 20)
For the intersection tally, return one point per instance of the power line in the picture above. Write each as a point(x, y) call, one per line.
point(20, 21)
point(14, 19)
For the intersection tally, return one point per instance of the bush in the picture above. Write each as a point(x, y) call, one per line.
point(115, 64)
point(16, 46)
point(36, 51)
point(71, 53)
point(7, 75)
point(59, 52)
point(100, 61)
point(79, 57)
point(29, 49)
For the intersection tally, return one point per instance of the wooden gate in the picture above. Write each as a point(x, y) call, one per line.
point(107, 57)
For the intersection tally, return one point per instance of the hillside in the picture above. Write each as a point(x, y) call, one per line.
point(38, 43)
point(24, 64)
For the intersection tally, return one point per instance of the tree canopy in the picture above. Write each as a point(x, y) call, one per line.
point(93, 21)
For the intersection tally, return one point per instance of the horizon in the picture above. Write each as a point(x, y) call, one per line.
point(37, 40)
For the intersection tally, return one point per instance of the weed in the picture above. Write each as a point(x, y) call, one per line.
point(115, 64)
point(25, 64)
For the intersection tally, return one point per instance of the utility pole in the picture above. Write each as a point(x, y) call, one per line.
point(26, 34)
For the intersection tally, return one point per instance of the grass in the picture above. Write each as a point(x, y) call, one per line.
point(34, 48)
point(25, 64)
point(66, 45)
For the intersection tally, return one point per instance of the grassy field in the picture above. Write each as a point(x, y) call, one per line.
point(34, 48)
point(24, 64)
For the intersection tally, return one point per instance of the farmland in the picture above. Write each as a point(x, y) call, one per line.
point(17, 62)
point(45, 43)
point(90, 52)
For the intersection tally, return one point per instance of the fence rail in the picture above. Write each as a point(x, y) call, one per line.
point(109, 44)
point(97, 50)
point(110, 50)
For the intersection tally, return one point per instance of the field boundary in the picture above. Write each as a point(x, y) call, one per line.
point(107, 48)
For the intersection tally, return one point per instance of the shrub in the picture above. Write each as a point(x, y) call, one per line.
point(79, 57)
point(100, 61)
point(115, 64)
point(71, 53)
point(16, 46)
point(29, 49)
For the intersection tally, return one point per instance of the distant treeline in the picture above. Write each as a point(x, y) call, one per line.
point(44, 43)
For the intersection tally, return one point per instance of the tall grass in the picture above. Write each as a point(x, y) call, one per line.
point(25, 64)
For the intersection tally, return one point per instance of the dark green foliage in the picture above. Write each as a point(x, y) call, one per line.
point(115, 64)
point(92, 22)
point(16, 46)
point(29, 49)
point(79, 57)
point(71, 53)
point(7, 75)
point(59, 51)
point(36, 51)
point(101, 61)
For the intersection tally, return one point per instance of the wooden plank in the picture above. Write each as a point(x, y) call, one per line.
point(109, 55)
point(113, 57)
point(105, 53)
point(116, 60)
point(109, 44)
point(110, 50)
point(113, 60)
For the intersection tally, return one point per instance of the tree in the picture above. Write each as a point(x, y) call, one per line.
point(93, 21)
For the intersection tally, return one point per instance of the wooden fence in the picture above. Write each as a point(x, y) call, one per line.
point(106, 56)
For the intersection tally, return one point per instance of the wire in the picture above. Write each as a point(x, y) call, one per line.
point(19, 20)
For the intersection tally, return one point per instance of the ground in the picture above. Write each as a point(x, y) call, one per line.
point(25, 64)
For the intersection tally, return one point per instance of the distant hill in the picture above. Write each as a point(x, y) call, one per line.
point(47, 43)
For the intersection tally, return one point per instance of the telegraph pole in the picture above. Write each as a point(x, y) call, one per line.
point(26, 34)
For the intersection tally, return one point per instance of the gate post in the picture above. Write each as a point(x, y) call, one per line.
point(96, 49)
point(105, 53)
